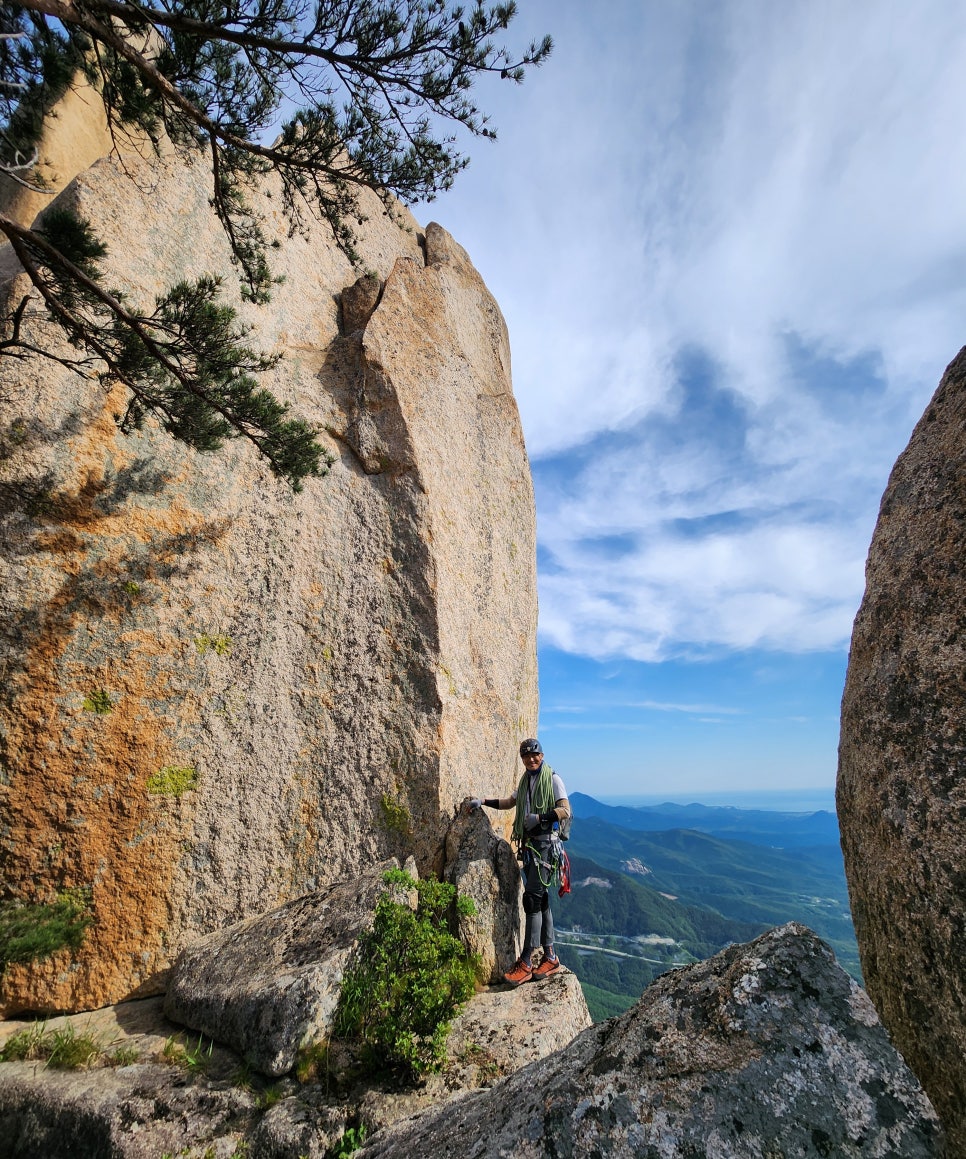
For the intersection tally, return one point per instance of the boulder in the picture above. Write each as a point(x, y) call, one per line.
point(503, 1030)
point(766, 1049)
point(218, 695)
point(484, 868)
point(268, 986)
point(901, 793)
point(141, 1111)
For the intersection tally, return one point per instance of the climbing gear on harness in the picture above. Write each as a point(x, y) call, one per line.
point(521, 972)
point(549, 858)
point(564, 875)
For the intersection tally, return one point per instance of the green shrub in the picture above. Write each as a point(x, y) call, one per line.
point(406, 981)
point(172, 780)
point(350, 1142)
point(30, 933)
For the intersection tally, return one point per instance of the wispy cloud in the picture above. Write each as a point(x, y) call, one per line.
point(697, 709)
point(730, 242)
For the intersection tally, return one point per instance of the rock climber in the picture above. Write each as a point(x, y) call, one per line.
point(541, 802)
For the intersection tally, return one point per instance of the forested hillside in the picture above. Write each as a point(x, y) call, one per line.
point(643, 901)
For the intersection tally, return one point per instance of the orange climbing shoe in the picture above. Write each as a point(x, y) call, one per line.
point(547, 967)
point(521, 972)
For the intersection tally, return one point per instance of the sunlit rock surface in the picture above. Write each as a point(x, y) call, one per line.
point(218, 695)
point(902, 757)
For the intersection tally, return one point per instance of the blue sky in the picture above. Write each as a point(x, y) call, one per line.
point(729, 240)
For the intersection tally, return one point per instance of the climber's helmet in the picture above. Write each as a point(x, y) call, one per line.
point(530, 748)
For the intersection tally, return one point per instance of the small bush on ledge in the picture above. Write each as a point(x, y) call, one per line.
point(409, 977)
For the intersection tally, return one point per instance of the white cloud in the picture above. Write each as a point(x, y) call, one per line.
point(660, 706)
point(744, 180)
point(790, 588)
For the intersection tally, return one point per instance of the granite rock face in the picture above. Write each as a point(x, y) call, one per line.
point(217, 695)
point(270, 985)
point(902, 757)
point(484, 868)
point(766, 1049)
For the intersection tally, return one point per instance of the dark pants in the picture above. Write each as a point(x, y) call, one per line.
point(536, 899)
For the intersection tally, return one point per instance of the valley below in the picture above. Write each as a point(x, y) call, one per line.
point(657, 887)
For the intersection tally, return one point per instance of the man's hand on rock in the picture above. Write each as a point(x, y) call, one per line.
point(473, 803)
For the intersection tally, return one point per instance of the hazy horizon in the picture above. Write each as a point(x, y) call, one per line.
point(775, 800)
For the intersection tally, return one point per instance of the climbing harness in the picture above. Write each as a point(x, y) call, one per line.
point(551, 862)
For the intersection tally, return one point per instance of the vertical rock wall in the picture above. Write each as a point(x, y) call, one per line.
point(216, 695)
point(902, 759)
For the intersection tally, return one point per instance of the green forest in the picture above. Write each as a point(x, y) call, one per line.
point(644, 902)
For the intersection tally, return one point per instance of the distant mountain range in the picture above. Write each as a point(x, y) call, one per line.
point(757, 826)
point(661, 885)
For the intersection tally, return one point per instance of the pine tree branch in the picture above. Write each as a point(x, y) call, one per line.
point(92, 335)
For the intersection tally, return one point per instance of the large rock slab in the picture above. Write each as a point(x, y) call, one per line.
point(216, 695)
point(484, 868)
point(270, 985)
point(902, 756)
point(766, 1049)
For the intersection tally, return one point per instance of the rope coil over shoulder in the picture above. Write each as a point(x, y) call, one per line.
point(541, 798)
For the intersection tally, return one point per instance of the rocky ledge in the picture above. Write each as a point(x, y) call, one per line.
point(767, 1049)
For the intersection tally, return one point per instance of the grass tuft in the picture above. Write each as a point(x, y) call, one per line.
point(192, 1058)
point(62, 1048)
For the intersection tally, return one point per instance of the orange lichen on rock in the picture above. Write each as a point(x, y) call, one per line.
point(85, 729)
